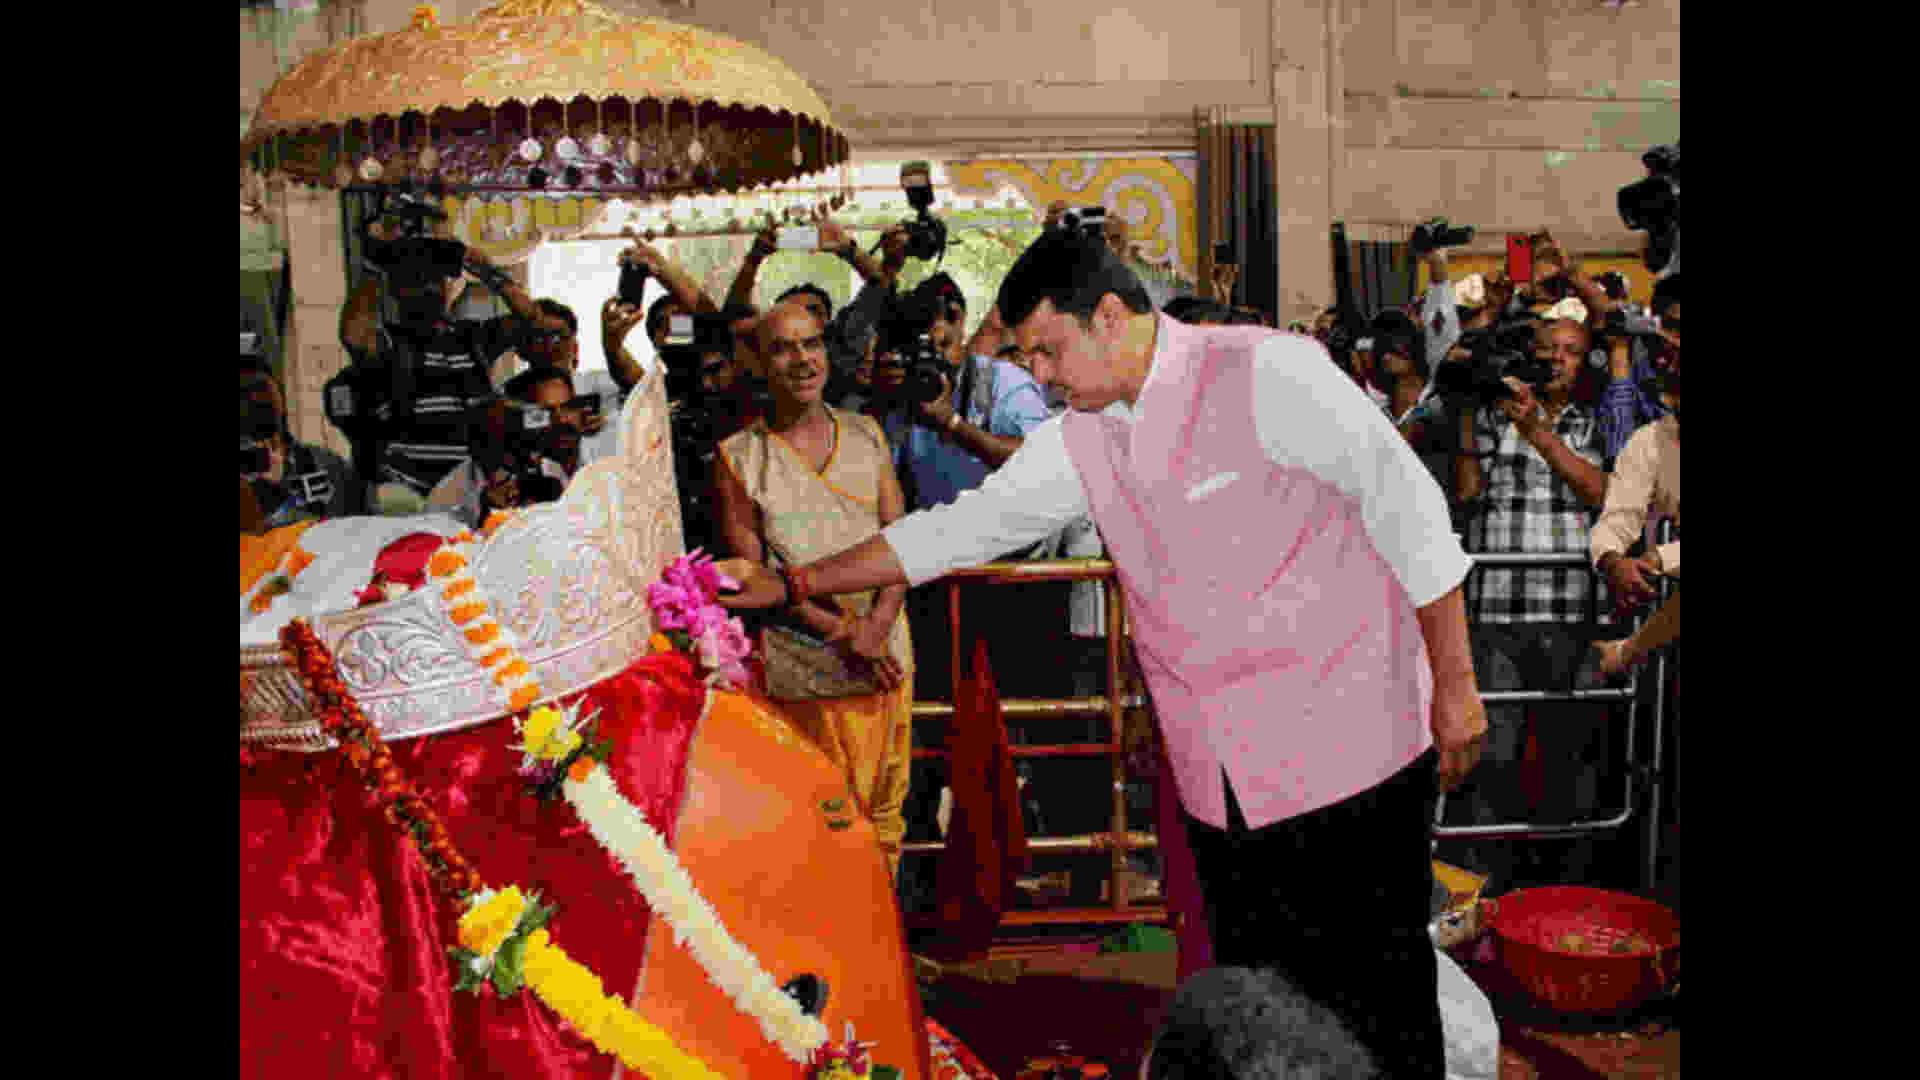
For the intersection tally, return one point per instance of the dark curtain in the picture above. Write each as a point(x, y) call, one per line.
point(1383, 270)
point(355, 207)
point(1239, 209)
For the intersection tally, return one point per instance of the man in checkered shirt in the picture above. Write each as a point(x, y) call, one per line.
point(1532, 483)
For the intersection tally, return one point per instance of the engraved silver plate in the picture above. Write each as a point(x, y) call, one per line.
point(569, 578)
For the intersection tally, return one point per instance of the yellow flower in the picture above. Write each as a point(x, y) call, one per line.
point(540, 726)
point(546, 738)
point(486, 927)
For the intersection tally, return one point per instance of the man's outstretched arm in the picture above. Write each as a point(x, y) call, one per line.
point(870, 564)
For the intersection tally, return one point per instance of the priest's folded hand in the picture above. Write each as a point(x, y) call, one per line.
point(759, 586)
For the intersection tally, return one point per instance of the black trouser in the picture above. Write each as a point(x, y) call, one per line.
point(1338, 900)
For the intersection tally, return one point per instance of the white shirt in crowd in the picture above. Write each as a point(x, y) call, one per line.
point(1307, 414)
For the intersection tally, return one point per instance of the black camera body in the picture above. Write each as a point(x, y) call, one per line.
point(906, 342)
point(1091, 220)
point(1495, 353)
point(633, 282)
point(926, 234)
point(925, 370)
point(350, 398)
point(690, 338)
point(1652, 205)
point(410, 254)
point(1438, 234)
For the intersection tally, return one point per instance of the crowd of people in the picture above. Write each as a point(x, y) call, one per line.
point(809, 438)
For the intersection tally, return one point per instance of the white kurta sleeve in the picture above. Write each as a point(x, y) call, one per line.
point(1309, 415)
point(1030, 497)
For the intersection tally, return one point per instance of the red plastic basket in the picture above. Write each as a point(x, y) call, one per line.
point(1559, 943)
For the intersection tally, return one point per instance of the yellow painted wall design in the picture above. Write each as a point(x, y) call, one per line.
point(1156, 199)
point(507, 230)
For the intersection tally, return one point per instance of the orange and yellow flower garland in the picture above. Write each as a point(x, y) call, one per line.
point(566, 986)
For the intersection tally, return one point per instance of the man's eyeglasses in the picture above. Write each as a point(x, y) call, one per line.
point(539, 336)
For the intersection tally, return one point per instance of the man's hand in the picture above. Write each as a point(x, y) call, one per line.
point(939, 412)
point(765, 243)
point(1522, 408)
point(1499, 292)
point(1056, 210)
point(759, 586)
point(1616, 657)
point(642, 252)
point(503, 490)
point(893, 246)
point(1224, 277)
point(1633, 581)
point(869, 642)
point(1459, 729)
point(833, 238)
point(618, 319)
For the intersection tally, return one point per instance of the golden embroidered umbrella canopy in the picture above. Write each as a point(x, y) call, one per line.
point(554, 96)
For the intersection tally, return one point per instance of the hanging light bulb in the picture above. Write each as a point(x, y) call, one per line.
point(695, 152)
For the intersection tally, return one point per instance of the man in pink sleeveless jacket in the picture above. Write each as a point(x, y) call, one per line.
point(1293, 583)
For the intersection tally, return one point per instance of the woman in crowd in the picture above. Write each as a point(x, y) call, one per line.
point(805, 483)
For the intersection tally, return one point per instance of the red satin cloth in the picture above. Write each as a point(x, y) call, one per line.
point(343, 941)
point(987, 838)
point(403, 562)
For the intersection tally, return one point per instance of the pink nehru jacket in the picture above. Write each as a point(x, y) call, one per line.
point(1278, 643)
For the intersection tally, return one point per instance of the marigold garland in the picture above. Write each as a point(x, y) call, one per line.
point(492, 645)
point(566, 986)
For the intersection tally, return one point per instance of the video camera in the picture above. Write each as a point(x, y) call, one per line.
point(1438, 234)
point(1495, 353)
point(1091, 220)
point(926, 234)
point(906, 340)
point(1653, 205)
point(689, 339)
point(408, 252)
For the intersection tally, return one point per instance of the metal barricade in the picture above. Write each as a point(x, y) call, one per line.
point(1123, 693)
point(1652, 774)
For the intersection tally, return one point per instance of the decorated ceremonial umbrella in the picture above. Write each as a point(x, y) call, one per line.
point(550, 96)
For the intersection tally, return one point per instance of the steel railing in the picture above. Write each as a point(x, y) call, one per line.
point(1653, 772)
point(1119, 839)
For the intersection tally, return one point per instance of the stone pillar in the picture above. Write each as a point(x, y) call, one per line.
point(1309, 148)
point(314, 353)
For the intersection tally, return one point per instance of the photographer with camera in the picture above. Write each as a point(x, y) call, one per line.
point(849, 332)
point(542, 426)
point(553, 342)
point(287, 480)
point(1530, 475)
point(414, 402)
point(953, 416)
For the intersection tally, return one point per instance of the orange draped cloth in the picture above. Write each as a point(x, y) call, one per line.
point(260, 554)
point(806, 516)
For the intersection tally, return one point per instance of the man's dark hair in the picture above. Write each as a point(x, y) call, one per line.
point(1188, 308)
point(1395, 331)
point(1665, 294)
point(1073, 271)
point(557, 310)
point(1231, 1023)
point(943, 288)
point(811, 289)
point(521, 386)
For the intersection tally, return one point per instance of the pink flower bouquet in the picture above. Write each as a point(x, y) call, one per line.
point(686, 609)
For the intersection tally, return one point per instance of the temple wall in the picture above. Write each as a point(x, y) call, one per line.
point(1506, 114)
